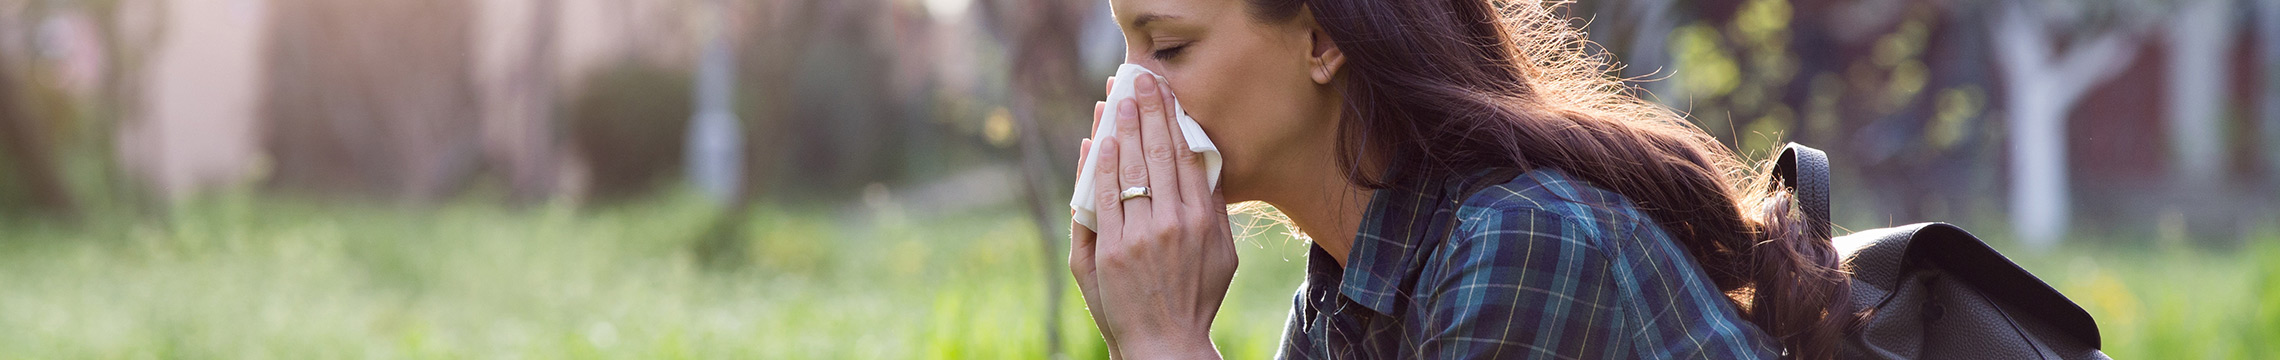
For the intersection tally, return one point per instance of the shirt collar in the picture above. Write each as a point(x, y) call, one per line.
point(1406, 219)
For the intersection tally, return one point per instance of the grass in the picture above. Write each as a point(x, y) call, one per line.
point(254, 277)
point(2174, 302)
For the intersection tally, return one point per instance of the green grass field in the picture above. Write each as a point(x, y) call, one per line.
point(243, 277)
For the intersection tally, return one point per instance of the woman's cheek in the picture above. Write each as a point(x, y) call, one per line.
point(1220, 129)
point(1238, 150)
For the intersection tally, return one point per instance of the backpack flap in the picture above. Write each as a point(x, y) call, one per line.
point(1934, 290)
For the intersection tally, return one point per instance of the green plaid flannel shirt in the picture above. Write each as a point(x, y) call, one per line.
point(1542, 266)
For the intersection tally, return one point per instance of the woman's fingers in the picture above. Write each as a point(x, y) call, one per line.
point(1098, 106)
point(1083, 242)
point(1108, 213)
point(1195, 188)
point(1155, 125)
point(1084, 150)
point(1084, 147)
point(1101, 105)
point(1132, 167)
point(1081, 238)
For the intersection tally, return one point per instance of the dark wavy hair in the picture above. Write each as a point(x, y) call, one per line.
point(1466, 84)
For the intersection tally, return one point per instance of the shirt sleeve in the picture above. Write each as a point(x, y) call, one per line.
point(1530, 283)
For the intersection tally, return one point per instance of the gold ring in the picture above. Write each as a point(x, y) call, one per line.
point(1134, 192)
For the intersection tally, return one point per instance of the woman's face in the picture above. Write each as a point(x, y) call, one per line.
point(1252, 85)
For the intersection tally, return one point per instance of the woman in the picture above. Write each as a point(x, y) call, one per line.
point(1474, 184)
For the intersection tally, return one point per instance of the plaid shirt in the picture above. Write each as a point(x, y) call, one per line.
point(1541, 267)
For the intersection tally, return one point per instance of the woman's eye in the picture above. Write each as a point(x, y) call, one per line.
point(1168, 53)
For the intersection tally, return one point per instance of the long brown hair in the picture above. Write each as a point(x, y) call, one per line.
point(1465, 84)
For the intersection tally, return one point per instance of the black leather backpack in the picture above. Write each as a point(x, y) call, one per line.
point(1933, 291)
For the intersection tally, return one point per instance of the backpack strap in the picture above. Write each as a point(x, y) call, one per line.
point(1805, 172)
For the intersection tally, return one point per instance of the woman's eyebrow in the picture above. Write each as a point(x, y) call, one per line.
point(1144, 19)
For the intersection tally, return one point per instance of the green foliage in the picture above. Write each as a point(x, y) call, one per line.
point(2264, 322)
point(1731, 77)
point(1705, 69)
point(2173, 302)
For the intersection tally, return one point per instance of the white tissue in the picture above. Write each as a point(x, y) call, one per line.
point(1084, 196)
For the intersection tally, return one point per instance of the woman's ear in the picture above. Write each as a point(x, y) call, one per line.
point(1324, 59)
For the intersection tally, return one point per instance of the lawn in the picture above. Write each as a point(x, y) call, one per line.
point(259, 277)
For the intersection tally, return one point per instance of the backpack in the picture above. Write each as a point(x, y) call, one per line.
point(1933, 291)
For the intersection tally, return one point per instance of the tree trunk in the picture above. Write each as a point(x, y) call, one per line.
point(713, 157)
point(1037, 177)
point(2040, 88)
point(775, 39)
point(529, 135)
point(1044, 66)
point(2268, 30)
point(2200, 37)
point(26, 143)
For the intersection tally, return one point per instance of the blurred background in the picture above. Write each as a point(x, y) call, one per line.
point(884, 178)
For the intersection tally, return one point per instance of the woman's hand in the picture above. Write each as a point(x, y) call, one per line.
point(1160, 264)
